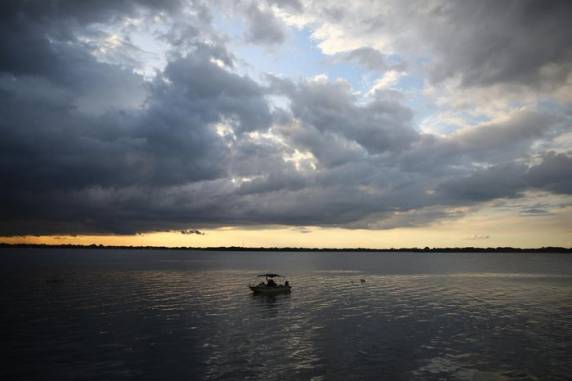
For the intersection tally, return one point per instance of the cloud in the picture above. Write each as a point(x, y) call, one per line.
point(500, 181)
point(331, 108)
point(535, 212)
point(70, 147)
point(191, 232)
point(479, 237)
point(553, 174)
point(262, 27)
point(479, 44)
point(371, 58)
point(500, 42)
point(511, 180)
point(389, 79)
point(292, 5)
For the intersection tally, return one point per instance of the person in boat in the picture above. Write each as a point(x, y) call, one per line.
point(271, 283)
point(286, 284)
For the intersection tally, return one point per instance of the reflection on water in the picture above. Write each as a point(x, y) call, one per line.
point(190, 315)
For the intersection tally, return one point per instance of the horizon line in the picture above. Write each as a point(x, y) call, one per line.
point(545, 249)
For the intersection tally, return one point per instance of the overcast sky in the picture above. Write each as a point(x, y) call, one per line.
point(308, 119)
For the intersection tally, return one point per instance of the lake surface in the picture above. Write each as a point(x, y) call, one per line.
point(112, 314)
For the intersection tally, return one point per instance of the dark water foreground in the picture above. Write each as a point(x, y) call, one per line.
point(96, 314)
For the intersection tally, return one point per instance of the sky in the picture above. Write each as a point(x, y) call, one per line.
point(286, 123)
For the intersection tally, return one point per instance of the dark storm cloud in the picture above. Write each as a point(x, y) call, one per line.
point(206, 92)
point(487, 144)
point(483, 185)
point(512, 134)
point(34, 34)
point(489, 42)
point(329, 148)
point(332, 110)
point(169, 142)
point(261, 158)
point(554, 173)
point(263, 27)
point(61, 162)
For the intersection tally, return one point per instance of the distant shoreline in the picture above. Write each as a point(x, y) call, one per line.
point(302, 249)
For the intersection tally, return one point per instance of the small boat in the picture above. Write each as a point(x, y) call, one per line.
point(270, 286)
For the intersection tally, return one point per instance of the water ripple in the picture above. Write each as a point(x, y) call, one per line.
point(345, 324)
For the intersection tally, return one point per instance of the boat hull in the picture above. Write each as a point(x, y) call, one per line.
point(270, 290)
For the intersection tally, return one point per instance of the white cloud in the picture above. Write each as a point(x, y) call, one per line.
point(387, 81)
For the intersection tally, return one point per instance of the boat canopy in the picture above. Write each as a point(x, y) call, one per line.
point(270, 275)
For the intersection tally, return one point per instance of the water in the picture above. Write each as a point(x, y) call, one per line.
point(95, 314)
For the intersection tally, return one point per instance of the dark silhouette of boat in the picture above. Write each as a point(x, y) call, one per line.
point(271, 285)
